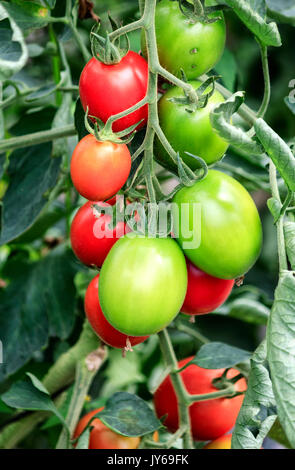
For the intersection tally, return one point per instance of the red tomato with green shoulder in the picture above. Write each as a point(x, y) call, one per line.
point(111, 89)
point(204, 293)
point(142, 284)
point(218, 225)
point(189, 131)
point(99, 323)
point(93, 234)
point(102, 437)
point(99, 169)
point(210, 419)
point(192, 45)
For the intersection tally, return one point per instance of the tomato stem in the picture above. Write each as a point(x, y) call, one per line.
point(181, 393)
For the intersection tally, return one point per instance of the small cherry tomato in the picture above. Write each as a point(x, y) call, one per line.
point(223, 442)
point(204, 293)
point(101, 326)
point(111, 89)
point(210, 419)
point(101, 437)
point(92, 234)
point(99, 169)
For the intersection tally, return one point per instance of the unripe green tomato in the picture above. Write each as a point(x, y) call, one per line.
point(189, 131)
point(225, 222)
point(193, 46)
point(142, 284)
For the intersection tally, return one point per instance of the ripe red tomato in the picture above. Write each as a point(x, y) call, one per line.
point(99, 169)
point(107, 333)
point(92, 234)
point(223, 442)
point(111, 89)
point(204, 293)
point(101, 437)
point(210, 419)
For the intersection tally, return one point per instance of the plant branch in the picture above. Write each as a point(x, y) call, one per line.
point(36, 138)
point(267, 88)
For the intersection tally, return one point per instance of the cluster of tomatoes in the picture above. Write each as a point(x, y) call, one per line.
point(145, 282)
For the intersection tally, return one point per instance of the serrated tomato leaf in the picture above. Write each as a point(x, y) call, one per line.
point(258, 411)
point(129, 415)
point(278, 150)
point(281, 352)
point(267, 33)
point(289, 231)
point(220, 118)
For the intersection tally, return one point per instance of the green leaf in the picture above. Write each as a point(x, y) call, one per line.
point(32, 173)
point(227, 68)
point(37, 384)
point(259, 6)
point(32, 313)
point(13, 49)
point(289, 230)
point(129, 415)
point(278, 150)
point(27, 15)
point(246, 309)
point(267, 33)
point(24, 395)
point(217, 355)
point(281, 352)
point(258, 411)
point(220, 118)
point(282, 10)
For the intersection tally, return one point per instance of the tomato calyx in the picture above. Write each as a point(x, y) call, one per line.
point(103, 132)
point(202, 95)
point(104, 49)
point(197, 12)
point(228, 384)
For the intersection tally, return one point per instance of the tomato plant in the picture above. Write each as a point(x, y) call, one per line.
point(133, 278)
point(99, 169)
point(92, 233)
point(210, 419)
point(101, 437)
point(204, 293)
point(189, 130)
point(110, 89)
point(228, 249)
point(101, 326)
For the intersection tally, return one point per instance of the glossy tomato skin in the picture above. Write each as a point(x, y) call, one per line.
point(223, 442)
point(99, 323)
point(111, 89)
point(209, 419)
point(99, 169)
point(195, 48)
point(189, 131)
point(92, 234)
point(204, 293)
point(143, 283)
point(101, 437)
point(228, 230)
